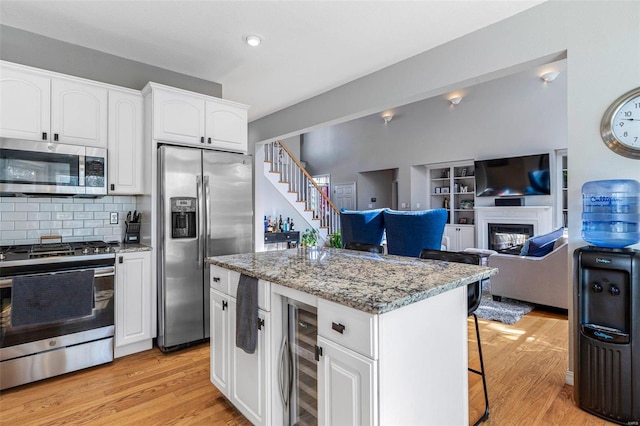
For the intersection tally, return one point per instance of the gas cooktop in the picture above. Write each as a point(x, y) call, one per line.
point(55, 252)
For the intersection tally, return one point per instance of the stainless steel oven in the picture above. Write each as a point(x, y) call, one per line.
point(32, 167)
point(57, 310)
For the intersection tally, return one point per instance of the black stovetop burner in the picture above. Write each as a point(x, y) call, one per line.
point(44, 251)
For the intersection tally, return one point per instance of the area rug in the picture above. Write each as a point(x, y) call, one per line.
point(507, 311)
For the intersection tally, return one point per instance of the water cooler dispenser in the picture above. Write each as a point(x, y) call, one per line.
point(183, 217)
point(607, 303)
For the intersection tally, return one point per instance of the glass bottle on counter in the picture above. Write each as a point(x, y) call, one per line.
point(280, 225)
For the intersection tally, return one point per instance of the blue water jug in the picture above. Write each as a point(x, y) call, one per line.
point(611, 212)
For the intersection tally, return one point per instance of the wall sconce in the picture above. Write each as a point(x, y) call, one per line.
point(387, 118)
point(455, 100)
point(548, 77)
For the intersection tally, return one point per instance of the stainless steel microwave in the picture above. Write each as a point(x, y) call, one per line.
point(41, 168)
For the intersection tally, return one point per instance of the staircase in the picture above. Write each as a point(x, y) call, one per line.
point(288, 176)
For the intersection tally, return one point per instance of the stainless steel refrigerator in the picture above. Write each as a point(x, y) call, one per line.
point(206, 208)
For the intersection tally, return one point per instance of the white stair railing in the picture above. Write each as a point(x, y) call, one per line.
point(302, 184)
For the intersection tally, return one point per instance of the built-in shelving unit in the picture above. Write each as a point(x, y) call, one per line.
point(452, 186)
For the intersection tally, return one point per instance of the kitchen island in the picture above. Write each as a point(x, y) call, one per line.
point(391, 335)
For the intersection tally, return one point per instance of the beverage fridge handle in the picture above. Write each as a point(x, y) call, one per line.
point(200, 234)
point(285, 379)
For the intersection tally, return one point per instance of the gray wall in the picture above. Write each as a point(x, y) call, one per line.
point(34, 50)
point(595, 36)
point(513, 115)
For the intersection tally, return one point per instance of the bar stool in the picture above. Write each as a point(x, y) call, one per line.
point(371, 248)
point(474, 294)
point(408, 232)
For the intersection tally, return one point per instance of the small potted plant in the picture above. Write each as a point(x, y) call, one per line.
point(335, 240)
point(309, 238)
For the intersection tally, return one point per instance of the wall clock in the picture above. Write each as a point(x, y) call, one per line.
point(620, 126)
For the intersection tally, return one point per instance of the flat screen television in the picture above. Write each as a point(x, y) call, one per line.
point(513, 176)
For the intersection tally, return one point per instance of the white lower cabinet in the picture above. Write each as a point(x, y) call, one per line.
point(135, 302)
point(241, 377)
point(460, 236)
point(346, 386)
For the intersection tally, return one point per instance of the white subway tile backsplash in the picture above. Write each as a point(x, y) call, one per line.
point(7, 207)
point(14, 216)
point(72, 224)
point(27, 207)
point(39, 216)
point(83, 215)
point(62, 216)
point(27, 225)
point(50, 207)
point(73, 208)
point(23, 220)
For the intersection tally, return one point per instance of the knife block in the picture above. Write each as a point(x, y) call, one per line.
point(132, 233)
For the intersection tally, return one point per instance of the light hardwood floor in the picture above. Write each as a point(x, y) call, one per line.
point(526, 365)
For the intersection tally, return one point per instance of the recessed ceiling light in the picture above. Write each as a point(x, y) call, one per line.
point(253, 40)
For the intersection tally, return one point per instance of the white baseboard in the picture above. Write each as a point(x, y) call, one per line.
point(568, 378)
point(133, 348)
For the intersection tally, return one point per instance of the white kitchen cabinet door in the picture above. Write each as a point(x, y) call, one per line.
point(25, 102)
point(226, 126)
point(219, 341)
point(249, 372)
point(125, 143)
point(79, 113)
point(178, 117)
point(346, 386)
point(460, 237)
point(134, 298)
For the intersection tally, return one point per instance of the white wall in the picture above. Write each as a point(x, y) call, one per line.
point(601, 40)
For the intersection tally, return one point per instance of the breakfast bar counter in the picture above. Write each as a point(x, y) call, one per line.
point(382, 341)
point(365, 281)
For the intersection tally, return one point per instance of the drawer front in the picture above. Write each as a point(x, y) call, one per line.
point(264, 290)
point(349, 327)
point(219, 279)
point(270, 238)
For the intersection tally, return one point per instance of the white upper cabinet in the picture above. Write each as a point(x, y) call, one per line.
point(178, 117)
point(194, 119)
point(226, 126)
point(126, 120)
point(79, 113)
point(41, 106)
point(25, 102)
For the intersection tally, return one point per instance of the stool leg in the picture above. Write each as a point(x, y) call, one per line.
point(485, 416)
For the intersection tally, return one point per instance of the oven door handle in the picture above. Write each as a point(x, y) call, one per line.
point(107, 271)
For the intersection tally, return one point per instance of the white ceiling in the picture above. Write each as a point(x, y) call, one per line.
point(309, 46)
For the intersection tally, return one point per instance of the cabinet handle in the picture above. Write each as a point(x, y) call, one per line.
point(260, 323)
point(113, 187)
point(216, 279)
point(318, 352)
point(209, 140)
point(224, 305)
point(338, 327)
point(44, 136)
point(201, 139)
point(120, 259)
point(55, 137)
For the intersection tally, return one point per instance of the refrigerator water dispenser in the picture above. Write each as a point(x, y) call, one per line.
point(183, 217)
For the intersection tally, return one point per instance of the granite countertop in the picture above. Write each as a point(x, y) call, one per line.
point(131, 248)
point(369, 282)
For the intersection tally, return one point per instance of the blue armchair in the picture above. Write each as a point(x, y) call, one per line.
point(408, 232)
point(362, 226)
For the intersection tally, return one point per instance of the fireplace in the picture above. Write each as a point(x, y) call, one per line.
point(540, 217)
point(508, 237)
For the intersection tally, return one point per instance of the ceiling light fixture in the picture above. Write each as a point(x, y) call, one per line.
point(387, 117)
point(548, 77)
point(253, 40)
point(455, 100)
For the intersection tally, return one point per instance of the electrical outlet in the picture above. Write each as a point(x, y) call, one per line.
point(417, 205)
point(113, 218)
